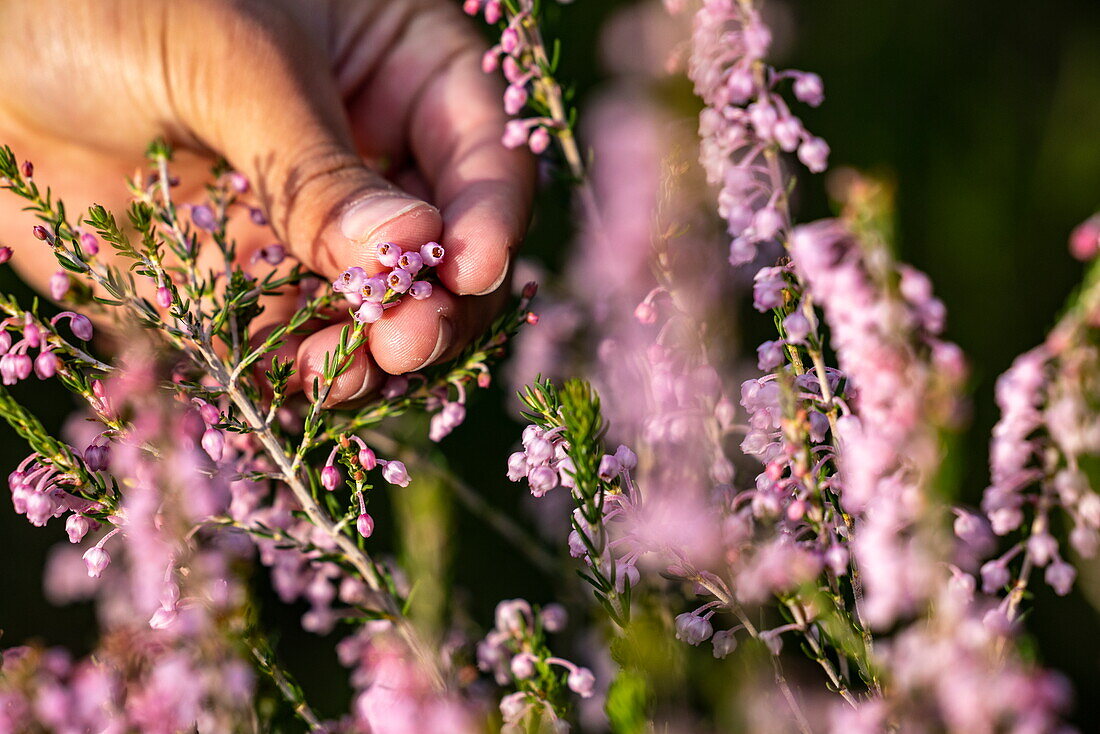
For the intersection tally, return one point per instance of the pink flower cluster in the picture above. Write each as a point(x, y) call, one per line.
point(393, 696)
point(522, 59)
point(372, 295)
point(515, 653)
point(746, 121)
point(15, 361)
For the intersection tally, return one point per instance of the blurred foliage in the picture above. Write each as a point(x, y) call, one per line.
point(985, 114)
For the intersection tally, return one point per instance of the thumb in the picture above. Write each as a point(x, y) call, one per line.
point(268, 102)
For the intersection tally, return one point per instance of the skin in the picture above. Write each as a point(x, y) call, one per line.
point(323, 104)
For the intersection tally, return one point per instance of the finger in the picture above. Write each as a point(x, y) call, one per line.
point(286, 130)
point(421, 333)
point(361, 377)
point(452, 113)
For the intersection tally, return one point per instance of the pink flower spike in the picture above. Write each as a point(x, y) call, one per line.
point(431, 254)
point(365, 525)
point(388, 253)
point(369, 312)
point(420, 290)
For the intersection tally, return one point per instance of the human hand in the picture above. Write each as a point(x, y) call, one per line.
point(357, 121)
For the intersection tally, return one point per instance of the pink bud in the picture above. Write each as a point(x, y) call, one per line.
point(367, 459)
point(368, 312)
point(431, 254)
point(645, 312)
point(420, 290)
point(484, 379)
point(493, 12)
point(90, 244)
point(5, 254)
point(814, 154)
point(399, 280)
point(209, 412)
point(515, 134)
point(509, 40)
point(490, 61)
point(1084, 242)
point(203, 217)
point(40, 232)
point(395, 387)
point(96, 559)
point(45, 365)
point(239, 182)
point(388, 253)
point(330, 478)
point(471, 7)
point(532, 318)
point(213, 443)
point(257, 216)
point(411, 261)
point(365, 525)
point(273, 254)
point(582, 682)
point(27, 169)
point(164, 296)
point(539, 140)
point(77, 526)
point(395, 472)
point(808, 88)
point(81, 326)
point(58, 285)
point(515, 96)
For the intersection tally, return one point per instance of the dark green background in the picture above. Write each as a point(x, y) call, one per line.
point(985, 113)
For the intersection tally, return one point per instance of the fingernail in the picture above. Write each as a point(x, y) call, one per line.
point(446, 332)
point(365, 216)
point(499, 280)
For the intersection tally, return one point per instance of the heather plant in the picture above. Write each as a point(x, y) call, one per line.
point(739, 537)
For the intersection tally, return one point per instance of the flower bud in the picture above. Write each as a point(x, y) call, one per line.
point(395, 472)
point(77, 526)
point(582, 682)
point(553, 617)
point(81, 327)
point(5, 254)
point(45, 365)
point(387, 254)
point(90, 244)
point(431, 254)
point(330, 478)
point(96, 559)
point(523, 666)
point(203, 217)
point(367, 459)
point(213, 443)
point(420, 290)
point(365, 525)
point(368, 312)
point(40, 232)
